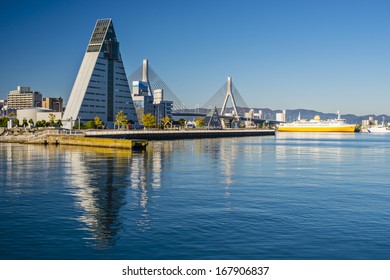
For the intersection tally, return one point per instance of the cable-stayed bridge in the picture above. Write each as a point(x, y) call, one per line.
point(227, 100)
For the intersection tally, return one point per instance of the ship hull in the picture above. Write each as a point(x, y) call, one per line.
point(343, 128)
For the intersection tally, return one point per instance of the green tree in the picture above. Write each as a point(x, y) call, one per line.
point(52, 118)
point(120, 119)
point(182, 122)
point(41, 123)
point(24, 123)
point(3, 122)
point(30, 121)
point(98, 122)
point(89, 124)
point(149, 120)
point(199, 122)
point(58, 123)
point(16, 122)
point(76, 125)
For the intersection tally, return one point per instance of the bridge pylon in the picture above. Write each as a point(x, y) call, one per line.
point(145, 75)
point(229, 93)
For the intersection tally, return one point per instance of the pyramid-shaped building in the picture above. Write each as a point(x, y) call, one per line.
point(101, 87)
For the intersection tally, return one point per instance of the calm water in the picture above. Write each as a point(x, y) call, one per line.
point(294, 196)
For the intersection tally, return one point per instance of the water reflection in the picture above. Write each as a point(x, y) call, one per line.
point(117, 191)
point(106, 182)
point(22, 165)
point(97, 180)
point(179, 197)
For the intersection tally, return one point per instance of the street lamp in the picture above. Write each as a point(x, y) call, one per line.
point(71, 125)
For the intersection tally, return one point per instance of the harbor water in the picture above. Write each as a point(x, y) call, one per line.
point(289, 196)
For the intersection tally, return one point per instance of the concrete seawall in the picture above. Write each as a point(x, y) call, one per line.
point(177, 134)
point(77, 140)
point(95, 142)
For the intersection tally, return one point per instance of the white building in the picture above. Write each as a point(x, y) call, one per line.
point(163, 108)
point(37, 114)
point(101, 87)
point(281, 117)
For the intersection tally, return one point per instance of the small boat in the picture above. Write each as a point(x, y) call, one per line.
point(317, 125)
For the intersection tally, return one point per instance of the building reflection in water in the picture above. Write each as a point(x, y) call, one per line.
point(107, 182)
point(20, 165)
point(98, 179)
point(139, 185)
point(297, 153)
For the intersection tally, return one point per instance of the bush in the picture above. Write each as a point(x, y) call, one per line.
point(3, 122)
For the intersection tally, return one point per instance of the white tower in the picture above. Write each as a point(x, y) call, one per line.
point(229, 93)
point(145, 75)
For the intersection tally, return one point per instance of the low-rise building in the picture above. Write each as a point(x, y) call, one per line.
point(37, 114)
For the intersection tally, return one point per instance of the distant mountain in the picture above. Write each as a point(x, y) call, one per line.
point(309, 114)
point(292, 114)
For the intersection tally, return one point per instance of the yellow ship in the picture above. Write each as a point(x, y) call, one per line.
point(317, 125)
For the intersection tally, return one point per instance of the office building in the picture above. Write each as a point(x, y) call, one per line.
point(101, 87)
point(23, 97)
point(143, 101)
point(54, 104)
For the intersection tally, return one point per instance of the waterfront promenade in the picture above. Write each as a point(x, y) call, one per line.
point(177, 134)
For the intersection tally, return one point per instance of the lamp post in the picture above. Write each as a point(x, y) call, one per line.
point(71, 125)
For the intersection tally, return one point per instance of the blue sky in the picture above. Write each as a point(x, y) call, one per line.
point(321, 55)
